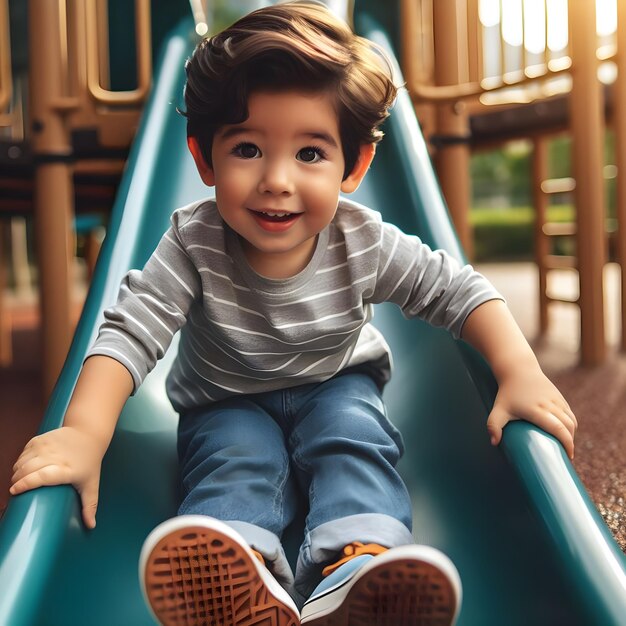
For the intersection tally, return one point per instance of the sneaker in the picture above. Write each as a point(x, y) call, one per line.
point(195, 570)
point(405, 586)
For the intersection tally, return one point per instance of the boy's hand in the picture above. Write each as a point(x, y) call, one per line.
point(527, 394)
point(63, 456)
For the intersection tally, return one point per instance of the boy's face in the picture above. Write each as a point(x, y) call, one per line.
point(278, 175)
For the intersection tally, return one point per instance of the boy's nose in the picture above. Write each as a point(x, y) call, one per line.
point(276, 179)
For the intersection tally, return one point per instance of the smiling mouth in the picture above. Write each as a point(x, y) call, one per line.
point(275, 216)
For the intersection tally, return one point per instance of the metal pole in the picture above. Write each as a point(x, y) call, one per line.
point(619, 120)
point(452, 158)
point(54, 194)
point(587, 125)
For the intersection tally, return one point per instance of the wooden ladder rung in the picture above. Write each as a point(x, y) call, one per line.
point(562, 299)
point(559, 229)
point(560, 262)
point(558, 185)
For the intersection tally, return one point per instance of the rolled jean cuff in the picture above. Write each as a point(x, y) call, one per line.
point(268, 544)
point(325, 542)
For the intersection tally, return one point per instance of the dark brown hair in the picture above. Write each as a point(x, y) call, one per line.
point(291, 46)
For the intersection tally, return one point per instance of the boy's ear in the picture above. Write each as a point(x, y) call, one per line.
point(363, 162)
point(205, 171)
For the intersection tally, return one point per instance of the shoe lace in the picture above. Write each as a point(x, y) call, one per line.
point(352, 550)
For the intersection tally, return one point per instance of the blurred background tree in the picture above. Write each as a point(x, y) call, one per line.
point(502, 212)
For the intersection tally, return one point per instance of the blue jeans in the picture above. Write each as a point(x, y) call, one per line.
point(248, 460)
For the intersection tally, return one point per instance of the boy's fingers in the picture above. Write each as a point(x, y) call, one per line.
point(31, 476)
point(497, 420)
point(571, 415)
point(45, 476)
point(562, 405)
point(564, 418)
point(26, 456)
point(89, 499)
point(28, 466)
point(563, 434)
point(37, 447)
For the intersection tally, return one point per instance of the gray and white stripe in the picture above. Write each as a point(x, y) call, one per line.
point(243, 333)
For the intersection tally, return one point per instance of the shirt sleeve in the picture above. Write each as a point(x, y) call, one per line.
point(429, 284)
point(152, 305)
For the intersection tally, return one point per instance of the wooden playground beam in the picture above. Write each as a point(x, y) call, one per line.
point(542, 247)
point(54, 193)
point(6, 91)
point(452, 158)
point(68, 76)
point(454, 89)
point(587, 126)
point(619, 118)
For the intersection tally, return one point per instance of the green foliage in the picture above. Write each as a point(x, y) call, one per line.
point(560, 157)
point(226, 12)
point(508, 234)
point(502, 215)
point(481, 216)
point(501, 177)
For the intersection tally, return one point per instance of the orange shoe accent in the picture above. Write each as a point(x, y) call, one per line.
point(199, 577)
point(356, 548)
point(404, 592)
point(258, 555)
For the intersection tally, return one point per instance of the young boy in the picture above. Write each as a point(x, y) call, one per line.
point(279, 374)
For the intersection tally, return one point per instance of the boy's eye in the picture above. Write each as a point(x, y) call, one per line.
point(246, 151)
point(310, 155)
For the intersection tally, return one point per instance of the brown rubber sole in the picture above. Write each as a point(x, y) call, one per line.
point(399, 593)
point(201, 577)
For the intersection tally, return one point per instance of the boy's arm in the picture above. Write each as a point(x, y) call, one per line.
point(524, 390)
point(73, 453)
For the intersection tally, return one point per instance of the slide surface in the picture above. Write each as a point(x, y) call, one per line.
point(530, 547)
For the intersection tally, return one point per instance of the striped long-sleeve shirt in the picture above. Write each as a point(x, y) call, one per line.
point(244, 333)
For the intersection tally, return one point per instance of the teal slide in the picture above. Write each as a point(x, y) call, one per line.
point(528, 542)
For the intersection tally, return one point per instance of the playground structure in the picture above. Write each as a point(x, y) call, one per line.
point(516, 520)
point(63, 154)
point(478, 81)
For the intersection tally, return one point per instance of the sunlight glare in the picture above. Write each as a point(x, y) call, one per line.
point(535, 26)
point(606, 17)
point(489, 12)
point(535, 22)
point(202, 29)
point(557, 24)
point(512, 22)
